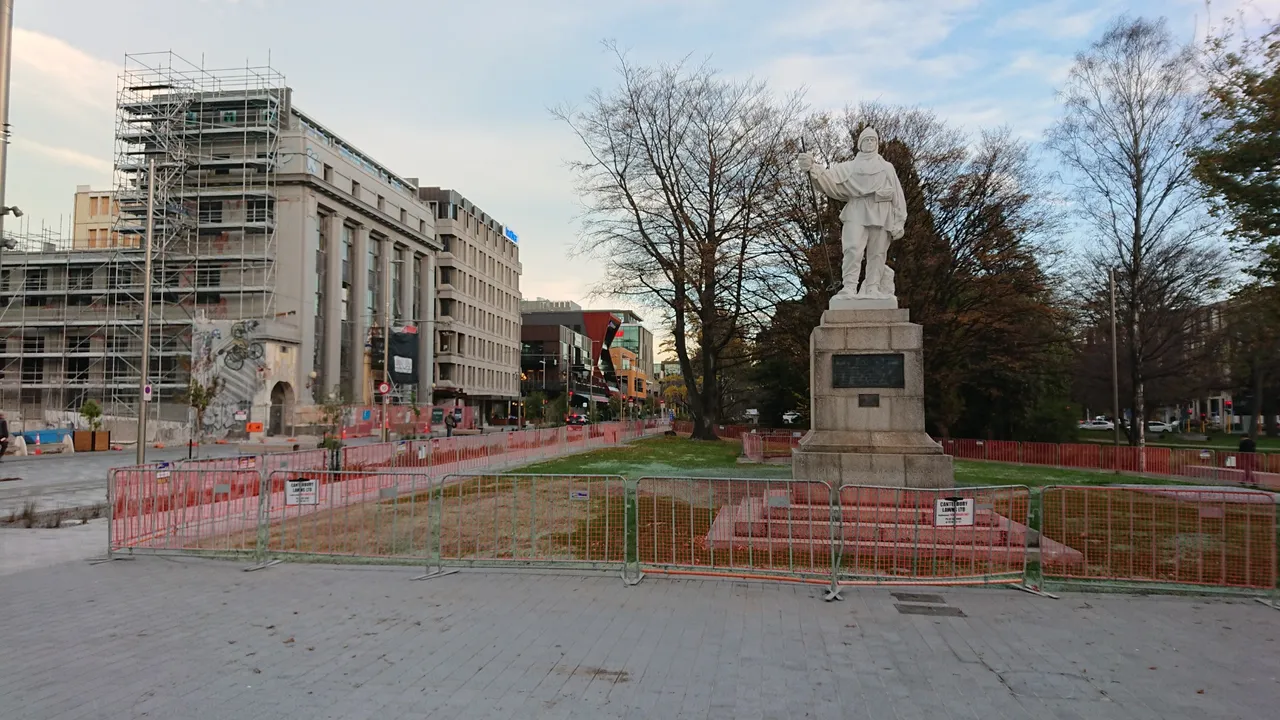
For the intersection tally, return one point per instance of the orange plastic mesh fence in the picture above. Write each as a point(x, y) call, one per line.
point(737, 526)
point(958, 535)
point(570, 520)
point(1202, 537)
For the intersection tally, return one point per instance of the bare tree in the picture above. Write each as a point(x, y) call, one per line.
point(1133, 115)
point(681, 165)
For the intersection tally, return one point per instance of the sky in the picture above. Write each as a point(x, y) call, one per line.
point(458, 93)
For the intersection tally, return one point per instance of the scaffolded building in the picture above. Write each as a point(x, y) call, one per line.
point(207, 143)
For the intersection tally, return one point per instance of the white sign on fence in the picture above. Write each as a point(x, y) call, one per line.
point(247, 462)
point(579, 495)
point(1231, 461)
point(422, 452)
point(303, 491)
point(953, 512)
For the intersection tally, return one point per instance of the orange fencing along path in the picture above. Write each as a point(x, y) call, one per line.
point(1161, 536)
point(179, 506)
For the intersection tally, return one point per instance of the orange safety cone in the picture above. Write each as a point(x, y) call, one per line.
point(37, 450)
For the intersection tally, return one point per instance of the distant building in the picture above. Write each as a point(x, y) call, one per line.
point(478, 316)
point(637, 338)
point(589, 375)
point(95, 216)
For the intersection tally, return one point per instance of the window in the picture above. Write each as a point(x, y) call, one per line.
point(416, 301)
point(374, 260)
point(79, 343)
point(210, 211)
point(355, 189)
point(258, 210)
point(77, 370)
point(33, 344)
point(228, 117)
point(397, 283)
point(208, 278)
point(37, 280)
point(93, 238)
point(328, 174)
point(382, 204)
point(422, 226)
point(348, 247)
point(80, 278)
point(192, 117)
point(33, 370)
point(404, 216)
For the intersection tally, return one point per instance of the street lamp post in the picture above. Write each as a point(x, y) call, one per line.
point(146, 313)
point(1115, 363)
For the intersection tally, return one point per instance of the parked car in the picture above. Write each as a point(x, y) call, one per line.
point(1155, 426)
point(1097, 425)
point(576, 419)
point(790, 416)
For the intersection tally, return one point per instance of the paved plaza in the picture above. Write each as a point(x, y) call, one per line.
point(188, 638)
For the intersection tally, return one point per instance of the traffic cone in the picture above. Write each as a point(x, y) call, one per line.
point(37, 450)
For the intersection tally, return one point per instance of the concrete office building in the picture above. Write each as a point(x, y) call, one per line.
point(277, 246)
point(477, 324)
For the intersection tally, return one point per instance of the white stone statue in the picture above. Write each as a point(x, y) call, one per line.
point(874, 213)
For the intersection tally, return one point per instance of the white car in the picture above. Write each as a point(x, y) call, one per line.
point(790, 416)
point(1097, 425)
point(1155, 426)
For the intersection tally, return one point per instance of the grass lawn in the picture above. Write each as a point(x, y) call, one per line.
point(1218, 440)
point(662, 456)
point(977, 473)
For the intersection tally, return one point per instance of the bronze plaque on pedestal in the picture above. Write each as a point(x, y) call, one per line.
point(881, 370)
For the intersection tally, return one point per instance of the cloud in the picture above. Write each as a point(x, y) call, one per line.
point(50, 71)
point(65, 155)
point(1056, 19)
point(1048, 67)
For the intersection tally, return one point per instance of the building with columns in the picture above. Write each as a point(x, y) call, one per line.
point(477, 321)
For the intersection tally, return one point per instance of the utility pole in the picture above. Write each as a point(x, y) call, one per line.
point(1115, 363)
point(146, 313)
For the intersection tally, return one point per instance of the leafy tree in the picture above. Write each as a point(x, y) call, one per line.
point(1132, 118)
point(199, 396)
point(682, 166)
point(91, 411)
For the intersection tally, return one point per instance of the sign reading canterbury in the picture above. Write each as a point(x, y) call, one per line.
point(868, 371)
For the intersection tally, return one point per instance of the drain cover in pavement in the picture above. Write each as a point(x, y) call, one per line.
point(918, 598)
point(935, 610)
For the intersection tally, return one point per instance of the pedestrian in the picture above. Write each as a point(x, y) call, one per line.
point(449, 423)
point(4, 436)
point(1248, 446)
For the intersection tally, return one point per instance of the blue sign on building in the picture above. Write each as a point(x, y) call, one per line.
point(511, 235)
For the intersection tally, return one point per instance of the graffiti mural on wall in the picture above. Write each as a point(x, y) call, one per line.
point(230, 351)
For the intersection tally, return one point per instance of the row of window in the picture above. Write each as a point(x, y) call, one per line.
point(36, 280)
point(479, 378)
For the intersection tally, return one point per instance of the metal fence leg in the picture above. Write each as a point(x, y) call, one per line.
point(1036, 588)
point(834, 521)
point(435, 514)
point(111, 521)
point(631, 574)
point(264, 520)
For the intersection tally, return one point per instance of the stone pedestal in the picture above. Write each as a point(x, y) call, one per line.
point(866, 403)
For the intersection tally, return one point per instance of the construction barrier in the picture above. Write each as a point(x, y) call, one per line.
point(1161, 536)
point(749, 528)
point(1220, 467)
point(568, 521)
point(952, 536)
point(166, 506)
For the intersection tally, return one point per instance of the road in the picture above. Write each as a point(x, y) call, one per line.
point(61, 481)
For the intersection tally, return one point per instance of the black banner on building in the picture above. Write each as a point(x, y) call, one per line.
point(404, 358)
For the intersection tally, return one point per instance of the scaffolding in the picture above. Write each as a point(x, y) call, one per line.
point(214, 137)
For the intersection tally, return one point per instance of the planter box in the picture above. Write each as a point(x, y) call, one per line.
point(82, 440)
point(101, 440)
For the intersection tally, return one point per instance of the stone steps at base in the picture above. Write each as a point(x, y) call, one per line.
point(887, 532)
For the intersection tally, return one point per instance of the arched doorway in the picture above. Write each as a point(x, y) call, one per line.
point(281, 408)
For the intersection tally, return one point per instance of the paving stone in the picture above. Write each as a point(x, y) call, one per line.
point(189, 638)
